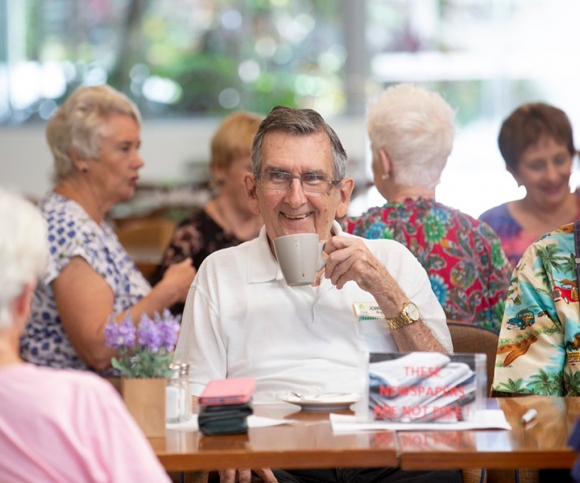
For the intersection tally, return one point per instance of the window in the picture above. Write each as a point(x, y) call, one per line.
point(173, 57)
point(180, 59)
point(486, 57)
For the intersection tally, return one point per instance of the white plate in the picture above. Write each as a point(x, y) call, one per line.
point(323, 402)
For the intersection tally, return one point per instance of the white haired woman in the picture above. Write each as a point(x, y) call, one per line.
point(55, 426)
point(94, 138)
point(411, 132)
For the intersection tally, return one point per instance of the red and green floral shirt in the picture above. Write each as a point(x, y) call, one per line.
point(467, 268)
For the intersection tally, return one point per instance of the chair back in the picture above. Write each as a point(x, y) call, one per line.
point(145, 241)
point(474, 339)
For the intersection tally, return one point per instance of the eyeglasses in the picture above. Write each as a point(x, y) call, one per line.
point(311, 182)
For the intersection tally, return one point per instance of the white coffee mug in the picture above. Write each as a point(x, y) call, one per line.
point(300, 257)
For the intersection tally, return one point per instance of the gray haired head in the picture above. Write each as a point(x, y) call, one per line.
point(298, 122)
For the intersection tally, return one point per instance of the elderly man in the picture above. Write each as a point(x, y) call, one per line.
point(241, 318)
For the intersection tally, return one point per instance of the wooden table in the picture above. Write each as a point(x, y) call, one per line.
point(310, 443)
point(539, 444)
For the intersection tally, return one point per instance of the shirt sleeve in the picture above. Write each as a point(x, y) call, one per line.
point(498, 274)
point(201, 344)
point(531, 352)
point(70, 236)
point(413, 280)
point(119, 442)
point(432, 313)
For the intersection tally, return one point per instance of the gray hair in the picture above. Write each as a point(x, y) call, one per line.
point(298, 122)
point(416, 128)
point(23, 249)
point(79, 124)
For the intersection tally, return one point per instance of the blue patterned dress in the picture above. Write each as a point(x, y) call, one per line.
point(73, 233)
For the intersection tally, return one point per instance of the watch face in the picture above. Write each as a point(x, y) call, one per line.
point(412, 311)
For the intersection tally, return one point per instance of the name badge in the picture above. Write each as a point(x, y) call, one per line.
point(367, 311)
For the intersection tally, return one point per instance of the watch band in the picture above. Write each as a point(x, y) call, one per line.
point(409, 315)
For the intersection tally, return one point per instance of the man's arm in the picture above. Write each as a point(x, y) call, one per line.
point(350, 259)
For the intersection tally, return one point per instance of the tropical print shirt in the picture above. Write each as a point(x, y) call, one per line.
point(514, 239)
point(467, 268)
point(539, 344)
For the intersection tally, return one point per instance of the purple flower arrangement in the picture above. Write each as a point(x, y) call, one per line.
point(144, 351)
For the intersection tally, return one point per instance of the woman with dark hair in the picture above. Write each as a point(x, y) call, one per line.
point(537, 145)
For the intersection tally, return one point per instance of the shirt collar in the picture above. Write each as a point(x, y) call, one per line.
point(262, 265)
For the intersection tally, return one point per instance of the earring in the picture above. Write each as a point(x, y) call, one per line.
point(385, 176)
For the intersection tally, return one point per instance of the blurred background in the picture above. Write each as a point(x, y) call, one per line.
point(188, 63)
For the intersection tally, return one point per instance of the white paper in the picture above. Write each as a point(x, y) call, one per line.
point(253, 422)
point(484, 419)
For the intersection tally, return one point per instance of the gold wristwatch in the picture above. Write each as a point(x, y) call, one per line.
point(409, 314)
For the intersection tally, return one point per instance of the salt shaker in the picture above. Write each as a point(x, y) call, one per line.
point(184, 373)
point(174, 395)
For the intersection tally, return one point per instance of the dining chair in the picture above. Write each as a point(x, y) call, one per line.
point(145, 241)
point(474, 339)
point(470, 338)
point(189, 476)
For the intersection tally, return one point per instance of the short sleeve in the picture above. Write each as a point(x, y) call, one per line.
point(117, 440)
point(532, 352)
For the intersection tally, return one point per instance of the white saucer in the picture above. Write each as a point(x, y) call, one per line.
point(323, 402)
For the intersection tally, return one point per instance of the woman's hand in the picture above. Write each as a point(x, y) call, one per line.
point(84, 301)
point(177, 280)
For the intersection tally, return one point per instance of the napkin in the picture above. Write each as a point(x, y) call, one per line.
point(253, 422)
point(483, 419)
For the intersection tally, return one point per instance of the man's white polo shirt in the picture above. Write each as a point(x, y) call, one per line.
point(242, 320)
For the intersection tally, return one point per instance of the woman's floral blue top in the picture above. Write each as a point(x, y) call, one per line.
point(539, 342)
point(467, 268)
point(72, 233)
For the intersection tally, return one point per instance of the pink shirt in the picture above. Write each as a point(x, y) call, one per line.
point(69, 426)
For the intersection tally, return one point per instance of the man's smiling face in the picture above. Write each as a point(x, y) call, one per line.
point(295, 210)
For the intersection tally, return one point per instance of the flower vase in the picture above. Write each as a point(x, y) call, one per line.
point(145, 400)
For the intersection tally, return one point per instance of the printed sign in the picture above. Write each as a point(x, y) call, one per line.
point(425, 386)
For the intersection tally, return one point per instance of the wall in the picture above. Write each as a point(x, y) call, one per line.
point(174, 151)
point(474, 179)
